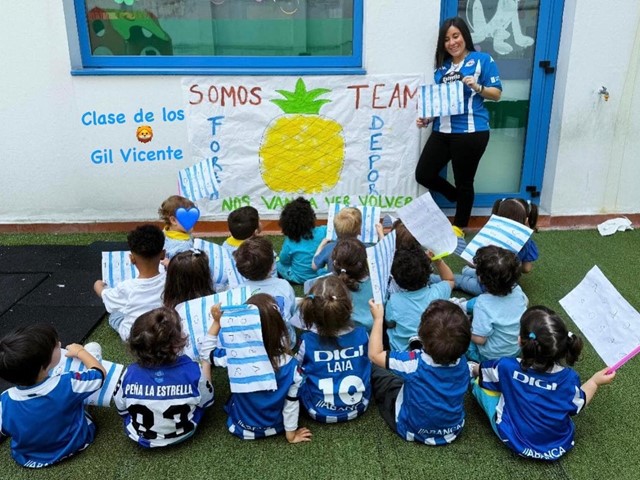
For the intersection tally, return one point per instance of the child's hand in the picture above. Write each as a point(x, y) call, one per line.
point(165, 262)
point(73, 350)
point(300, 435)
point(422, 122)
point(602, 378)
point(216, 315)
point(379, 230)
point(376, 309)
point(98, 287)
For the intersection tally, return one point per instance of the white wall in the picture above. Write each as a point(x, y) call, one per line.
point(592, 162)
point(48, 176)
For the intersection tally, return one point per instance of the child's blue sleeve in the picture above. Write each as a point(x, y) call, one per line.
point(529, 252)
point(285, 253)
point(489, 376)
point(83, 384)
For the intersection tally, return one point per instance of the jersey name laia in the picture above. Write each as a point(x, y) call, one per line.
point(535, 382)
point(338, 360)
point(135, 389)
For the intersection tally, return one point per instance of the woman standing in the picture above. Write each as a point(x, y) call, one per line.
point(460, 138)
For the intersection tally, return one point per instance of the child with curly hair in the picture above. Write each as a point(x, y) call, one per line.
point(302, 237)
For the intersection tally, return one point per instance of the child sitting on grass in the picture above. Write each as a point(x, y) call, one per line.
point(302, 238)
point(411, 270)
point(188, 277)
point(347, 224)
point(530, 400)
point(163, 395)
point(45, 416)
point(497, 312)
point(128, 300)
point(243, 223)
point(177, 238)
point(424, 401)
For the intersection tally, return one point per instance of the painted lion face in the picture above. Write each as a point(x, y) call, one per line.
point(144, 133)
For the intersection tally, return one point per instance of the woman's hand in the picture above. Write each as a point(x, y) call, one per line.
point(422, 122)
point(470, 81)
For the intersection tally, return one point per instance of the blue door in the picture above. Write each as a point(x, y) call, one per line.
point(523, 37)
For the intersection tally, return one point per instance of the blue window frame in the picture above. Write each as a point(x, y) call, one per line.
point(120, 37)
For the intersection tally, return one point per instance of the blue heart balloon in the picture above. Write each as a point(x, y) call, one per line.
point(187, 218)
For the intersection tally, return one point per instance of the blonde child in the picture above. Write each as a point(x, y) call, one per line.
point(45, 416)
point(177, 238)
point(530, 400)
point(526, 213)
point(162, 396)
point(128, 300)
point(260, 414)
point(188, 277)
point(421, 397)
point(347, 224)
point(333, 355)
point(302, 238)
point(243, 223)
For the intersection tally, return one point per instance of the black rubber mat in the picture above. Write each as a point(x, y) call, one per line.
point(15, 286)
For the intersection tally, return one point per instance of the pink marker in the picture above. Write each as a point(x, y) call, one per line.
point(624, 360)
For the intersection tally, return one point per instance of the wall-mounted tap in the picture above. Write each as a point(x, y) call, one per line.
point(604, 92)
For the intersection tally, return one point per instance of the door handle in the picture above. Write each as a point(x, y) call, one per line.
point(546, 64)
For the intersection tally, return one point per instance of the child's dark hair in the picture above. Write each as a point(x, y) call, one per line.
point(243, 222)
point(404, 238)
point(170, 205)
point(274, 330)
point(445, 331)
point(498, 269)
point(156, 338)
point(254, 258)
point(411, 269)
point(517, 209)
point(298, 219)
point(349, 258)
point(25, 352)
point(147, 241)
point(545, 340)
point(327, 307)
point(188, 277)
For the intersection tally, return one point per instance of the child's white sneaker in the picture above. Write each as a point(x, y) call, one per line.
point(94, 349)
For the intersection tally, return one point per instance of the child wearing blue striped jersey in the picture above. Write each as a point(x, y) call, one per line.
point(262, 413)
point(333, 355)
point(530, 400)
point(421, 397)
point(162, 396)
point(45, 416)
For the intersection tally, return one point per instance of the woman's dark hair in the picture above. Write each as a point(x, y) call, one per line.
point(517, 209)
point(156, 338)
point(460, 24)
point(298, 220)
point(404, 238)
point(411, 269)
point(546, 341)
point(188, 277)
point(445, 331)
point(327, 307)
point(274, 330)
point(25, 352)
point(498, 269)
point(349, 258)
point(254, 258)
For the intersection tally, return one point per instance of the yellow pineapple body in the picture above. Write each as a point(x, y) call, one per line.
point(302, 154)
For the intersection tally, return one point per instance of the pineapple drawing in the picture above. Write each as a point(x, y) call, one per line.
point(302, 151)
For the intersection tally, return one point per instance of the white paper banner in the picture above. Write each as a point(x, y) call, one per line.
point(608, 321)
point(196, 319)
point(442, 99)
point(429, 225)
point(499, 231)
point(380, 258)
point(267, 140)
point(102, 397)
point(370, 217)
point(117, 267)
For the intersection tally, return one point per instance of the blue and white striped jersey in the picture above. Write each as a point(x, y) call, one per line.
point(475, 117)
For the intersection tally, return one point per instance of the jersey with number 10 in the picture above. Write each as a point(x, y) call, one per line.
point(337, 384)
point(162, 405)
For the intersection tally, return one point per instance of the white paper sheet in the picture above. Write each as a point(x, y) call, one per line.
point(605, 318)
point(117, 267)
point(379, 259)
point(199, 181)
point(370, 217)
point(442, 99)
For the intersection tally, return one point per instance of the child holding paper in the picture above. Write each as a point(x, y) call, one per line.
point(530, 400)
point(411, 270)
point(526, 213)
point(45, 416)
point(347, 224)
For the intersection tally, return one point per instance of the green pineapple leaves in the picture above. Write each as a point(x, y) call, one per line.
point(301, 100)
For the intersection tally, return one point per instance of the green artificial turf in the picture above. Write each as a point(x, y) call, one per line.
point(606, 446)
